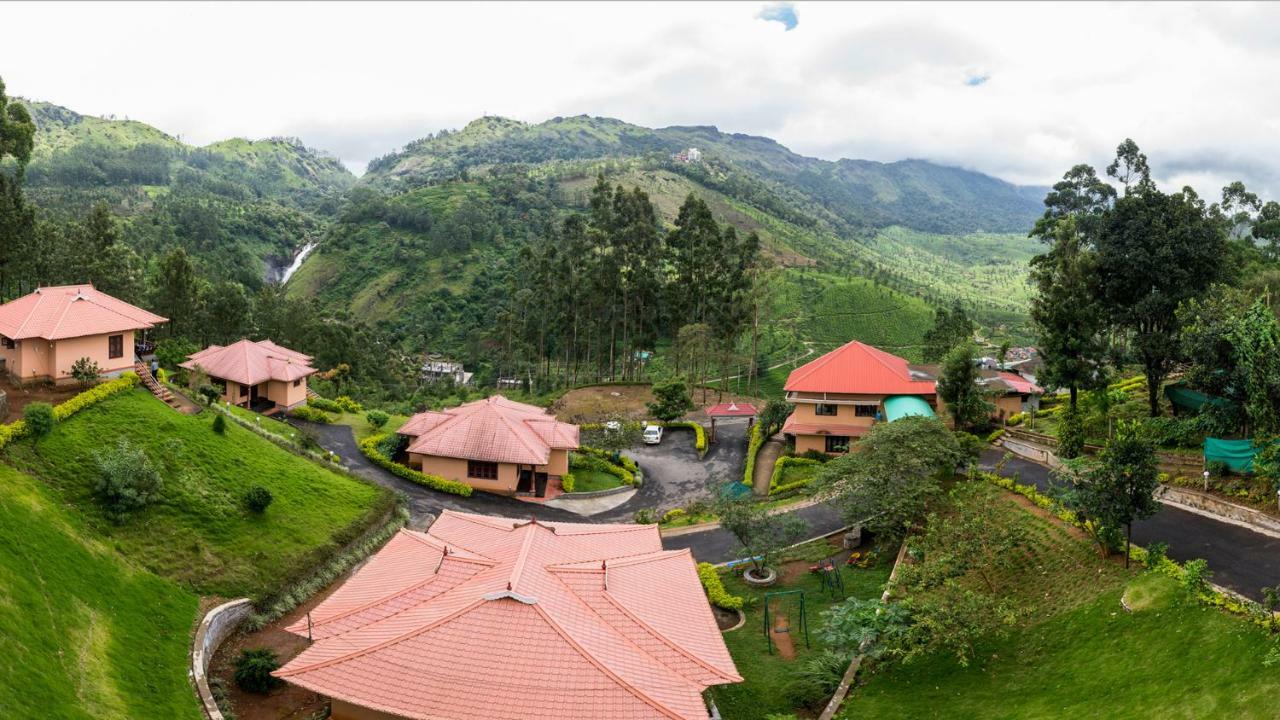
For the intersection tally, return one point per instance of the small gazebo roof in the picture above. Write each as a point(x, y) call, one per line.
point(731, 409)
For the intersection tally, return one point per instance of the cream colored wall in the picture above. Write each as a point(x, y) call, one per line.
point(456, 469)
point(284, 393)
point(35, 360)
point(232, 395)
point(95, 347)
point(557, 464)
point(342, 710)
point(845, 414)
point(805, 443)
point(12, 359)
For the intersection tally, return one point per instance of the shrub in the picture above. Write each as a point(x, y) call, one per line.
point(1070, 435)
point(754, 440)
point(779, 470)
point(1195, 575)
point(162, 375)
point(127, 480)
point(995, 435)
point(1015, 419)
point(971, 445)
point(816, 678)
point(253, 670)
point(816, 455)
point(346, 404)
point(322, 404)
point(567, 482)
point(39, 419)
point(219, 424)
point(370, 447)
point(310, 414)
point(616, 464)
point(1218, 468)
point(126, 381)
point(85, 371)
point(1156, 555)
point(646, 516)
point(258, 499)
point(210, 393)
point(377, 418)
point(674, 514)
point(714, 586)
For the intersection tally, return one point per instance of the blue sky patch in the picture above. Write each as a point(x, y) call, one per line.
point(783, 12)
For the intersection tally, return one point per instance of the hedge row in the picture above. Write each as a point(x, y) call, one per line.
point(369, 446)
point(754, 440)
point(779, 469)
point(714, 586)
point(127, 381)
point(1208, 595)
point(699, 432)
point(311, 414)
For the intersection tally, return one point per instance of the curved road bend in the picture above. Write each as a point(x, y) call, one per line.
point(672, 477)
point(1240, 559)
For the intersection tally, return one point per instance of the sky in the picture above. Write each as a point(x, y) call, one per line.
point(1018, 91)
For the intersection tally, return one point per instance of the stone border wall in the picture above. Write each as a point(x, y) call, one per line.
point(1203, 503)
point(218, 624)
point(597, 493)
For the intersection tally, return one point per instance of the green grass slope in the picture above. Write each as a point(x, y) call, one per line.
point(83, 633)
point(199, 533)
point(1080, 654)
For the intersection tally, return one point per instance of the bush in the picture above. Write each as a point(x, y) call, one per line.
point(1015, 419)
point(258, 499)
point(171, 351)
point(995, 435)
point(1156, 552)
point(674, 514)
point(85, 371)
point(219, 424)
point(348, 405)
point(816, 678)
point(971, 445)
point(210, 393)
point(370, 447)
point(377, 418)
point(776, 485)
point(1195, 575)
point(714, 586)
point(1070, 435)
point(39, 419)
point(310, 414)
point(646, 516)
point(816, 455)
point(253, 670)
point(162, 375)
point(567, 482)
point(126, 381)
point(616, 464)
point(1218, 468)
point(322, 404)
point(127, 481)
point(754, 440)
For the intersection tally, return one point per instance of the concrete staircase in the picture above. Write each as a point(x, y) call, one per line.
point(154, 386)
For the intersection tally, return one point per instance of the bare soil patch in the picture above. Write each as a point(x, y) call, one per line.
point(21, 396)
point(598, 403)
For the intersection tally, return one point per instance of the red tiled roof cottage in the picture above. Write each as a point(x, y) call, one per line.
point(493, 444)
point(43, 333)
point(841, 394)
point(254, 371)
point(486, 618)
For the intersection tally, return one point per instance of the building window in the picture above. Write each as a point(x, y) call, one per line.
point(866, 410)
point(296, 383)
point(244, 390)
point(7, 343)
point(115, 346)
point(826, 410)
point(482, 470)
point(837, 443)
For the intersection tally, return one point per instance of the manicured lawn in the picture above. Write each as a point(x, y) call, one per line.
point(361, 427)
point(798, 473)
point(1078, 653)
point(199, 533)
point(766, 676)
point(83, 633)
point(592, 480)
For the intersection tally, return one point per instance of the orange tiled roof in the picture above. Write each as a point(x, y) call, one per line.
point(494, 429)
point(68, 311)
point(485, 618)
point(249, 363)
point(857, 369)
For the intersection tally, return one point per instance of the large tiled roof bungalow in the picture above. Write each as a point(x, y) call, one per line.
point(259, 375)
point(839, 396)
point(42, 334)
point(485, 618)
point(494, 444)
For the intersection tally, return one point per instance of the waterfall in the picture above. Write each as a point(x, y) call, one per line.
point(297, 262)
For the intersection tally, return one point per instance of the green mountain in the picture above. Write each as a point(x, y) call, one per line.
point(242, 204)
point(429, 237)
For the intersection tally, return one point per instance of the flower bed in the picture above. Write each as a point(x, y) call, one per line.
point(369, 446)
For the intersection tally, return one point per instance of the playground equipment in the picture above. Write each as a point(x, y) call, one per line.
point(780, 607)
point(832, 581)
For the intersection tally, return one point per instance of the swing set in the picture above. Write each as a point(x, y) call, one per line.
point(778, 622)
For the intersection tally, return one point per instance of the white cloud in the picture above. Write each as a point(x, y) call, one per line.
point(1064, 83)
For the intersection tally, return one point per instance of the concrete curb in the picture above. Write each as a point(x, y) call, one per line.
point(597, 493)
point(216, 625)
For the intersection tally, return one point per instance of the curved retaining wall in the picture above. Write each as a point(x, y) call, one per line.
point(217, 624)
point(598, 493)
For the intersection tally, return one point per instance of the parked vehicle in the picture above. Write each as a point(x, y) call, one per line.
point(652, 434)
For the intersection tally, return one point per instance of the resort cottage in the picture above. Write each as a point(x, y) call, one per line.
point(485, 618)
point(495, 444)
point(261, 376)
point(839, 396)
point(44, 333)
point(1010, 393)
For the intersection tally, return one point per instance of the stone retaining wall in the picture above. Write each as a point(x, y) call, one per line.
point(217, 625)
point(597, 493)
point(1207, 504)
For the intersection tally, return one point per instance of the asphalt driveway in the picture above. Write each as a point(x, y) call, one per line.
point(673, 474)
point(1240, 559)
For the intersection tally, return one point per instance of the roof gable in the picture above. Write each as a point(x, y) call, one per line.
point(857, 369)
point(249, 363)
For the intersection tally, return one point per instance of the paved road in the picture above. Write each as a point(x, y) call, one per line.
point(673, 475)
point(1240, 559)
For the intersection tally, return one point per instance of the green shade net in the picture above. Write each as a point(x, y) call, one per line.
point(1188, 399)
point(900, 406)
point(1237, 454)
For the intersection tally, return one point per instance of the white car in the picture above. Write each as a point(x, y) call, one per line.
point(652, 434)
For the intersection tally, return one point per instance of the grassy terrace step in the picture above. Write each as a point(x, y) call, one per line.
point(199, 533)
point(86, 634)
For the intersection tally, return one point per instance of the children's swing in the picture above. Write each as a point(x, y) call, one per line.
point(782, 610)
